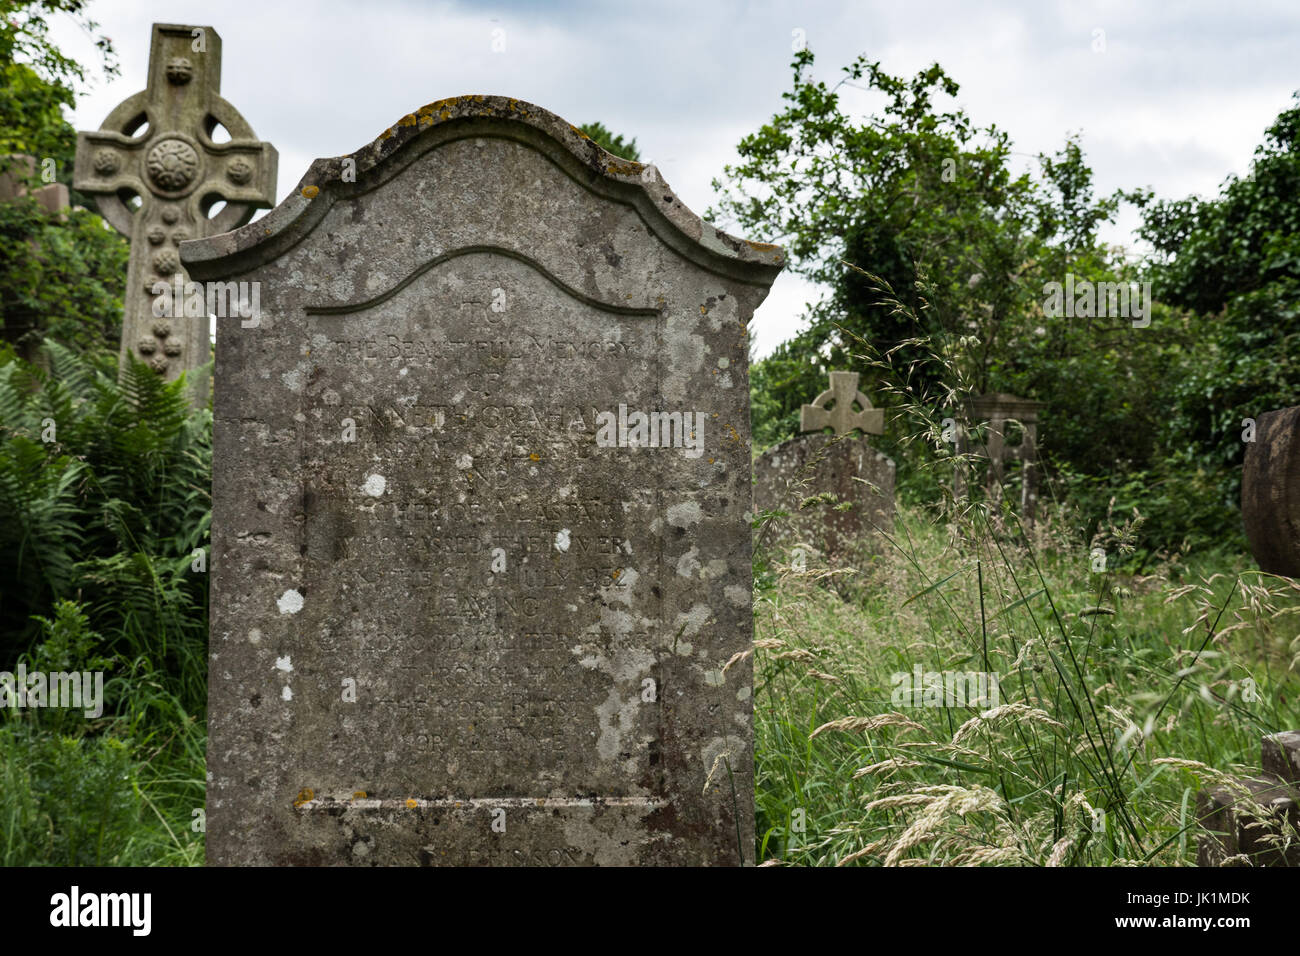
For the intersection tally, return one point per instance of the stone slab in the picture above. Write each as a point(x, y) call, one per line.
point(465, 610)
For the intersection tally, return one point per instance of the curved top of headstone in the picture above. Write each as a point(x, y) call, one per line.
point(463, 117)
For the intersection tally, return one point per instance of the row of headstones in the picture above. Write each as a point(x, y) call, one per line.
point(835, 493)
point(480, 545)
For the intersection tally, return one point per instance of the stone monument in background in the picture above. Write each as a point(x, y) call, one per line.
point(1000, 410)
point(858, 480)
point(481, 481)
point(157, 145)
point(1270, 492)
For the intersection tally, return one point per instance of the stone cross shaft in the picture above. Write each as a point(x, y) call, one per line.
point(842, 418)
point(157, 145)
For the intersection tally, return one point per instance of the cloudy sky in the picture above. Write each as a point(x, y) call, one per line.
point(1175, 96)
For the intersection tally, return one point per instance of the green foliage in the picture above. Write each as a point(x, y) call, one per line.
point(1233, 263)
point(1120, 695)
point(937, 256)
point(62, 278)
point(66, 801)
point(611, 142)
point(104, 493)
point(104, 498)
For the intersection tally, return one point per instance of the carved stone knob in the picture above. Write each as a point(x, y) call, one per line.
point(147, 346)
point(179, 71)
point(156, 235)
point(162, 329)
point(106, 162)
point(166, 262)
point(240, 171)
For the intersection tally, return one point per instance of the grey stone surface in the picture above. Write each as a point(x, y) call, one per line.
point(158, 145)
point(857, 480)
point(457, 616)
point(1270, 492)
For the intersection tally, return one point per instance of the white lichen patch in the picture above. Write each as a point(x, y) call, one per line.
point(290, 602)
point(294, 378)
point(714, 569)
point(737, 595)
point(286, 694)
point(689, 563)
point(685, 514)
point(465, 462)
point(690, 623)
point(562, 540)
point(284, 664)
point(375, 485)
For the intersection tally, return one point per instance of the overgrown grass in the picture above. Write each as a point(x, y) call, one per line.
point(1102, 679)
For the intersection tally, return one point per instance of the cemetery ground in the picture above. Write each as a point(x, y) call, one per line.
point(1119, 698)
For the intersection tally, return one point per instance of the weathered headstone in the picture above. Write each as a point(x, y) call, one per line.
point(1255, 821)
point(999, 410)
point(157, 145)
point(22, 322)
point(1270, 492)
point(856, 480)
point(15, 170)
point(481, 476)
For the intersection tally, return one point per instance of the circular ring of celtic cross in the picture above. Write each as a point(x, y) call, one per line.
point(172, 164)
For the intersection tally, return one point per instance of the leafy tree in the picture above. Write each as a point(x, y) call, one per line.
point(1232, 265)
point(611, 142)
point(913, 193)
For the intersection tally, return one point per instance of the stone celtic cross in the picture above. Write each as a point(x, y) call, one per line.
point(157, 145)
point(842, 418)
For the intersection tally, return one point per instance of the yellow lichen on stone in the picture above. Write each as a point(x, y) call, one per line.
point(761, 246)
point(624, 169)
point(310, 192)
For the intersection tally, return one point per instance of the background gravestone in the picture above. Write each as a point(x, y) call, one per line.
point(1270, 492)
point(1000, 410)
point(157, 145)
point(449, 625)
point(847, 468)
